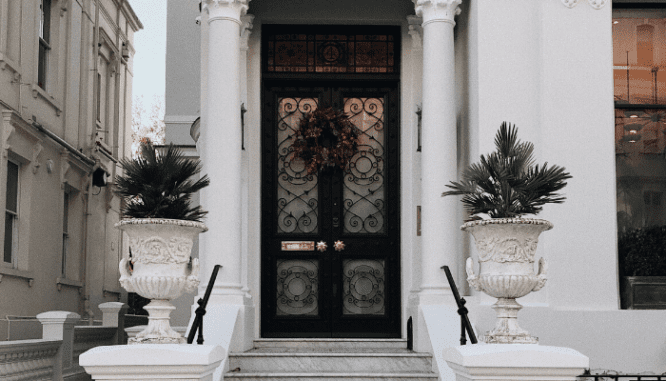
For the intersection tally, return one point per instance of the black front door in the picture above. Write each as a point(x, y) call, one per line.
point(352, 287)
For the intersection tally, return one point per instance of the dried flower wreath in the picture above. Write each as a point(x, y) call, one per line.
point(325, 138)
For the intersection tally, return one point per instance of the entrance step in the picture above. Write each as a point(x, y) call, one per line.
point(330, 359)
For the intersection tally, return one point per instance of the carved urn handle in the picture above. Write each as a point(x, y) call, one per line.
point(472, 278)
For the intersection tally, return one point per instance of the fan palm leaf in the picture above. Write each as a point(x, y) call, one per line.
point(506, 183)
point(160, 185)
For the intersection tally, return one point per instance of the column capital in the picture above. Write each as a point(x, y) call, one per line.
point(231, 10)
point(246, 30)
point(437, 10)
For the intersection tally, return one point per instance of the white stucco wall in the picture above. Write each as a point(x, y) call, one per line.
point(538, 64)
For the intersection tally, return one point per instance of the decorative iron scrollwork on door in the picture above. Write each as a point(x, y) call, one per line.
point(363, 283)
point(298, 191)
point(364, 188)
point(297, 287)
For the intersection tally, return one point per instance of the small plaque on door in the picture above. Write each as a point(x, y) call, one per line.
point(298, 245)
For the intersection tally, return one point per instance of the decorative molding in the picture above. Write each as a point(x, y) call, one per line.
point(246, 30)
point(230, 10)
point(36, 150)
point(570, 3)
point(597, 4)
point(416, 31)
point(437, 10)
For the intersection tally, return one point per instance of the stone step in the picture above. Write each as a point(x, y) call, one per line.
point(330, 376)
point(330, 362)
point(329, 345)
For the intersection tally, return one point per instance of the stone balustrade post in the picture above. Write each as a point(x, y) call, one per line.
point(59, 325)
point(153, 362)
point(113, 315)
point(506, 362)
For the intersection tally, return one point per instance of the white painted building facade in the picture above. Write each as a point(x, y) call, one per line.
point(545, 65)
point(65, 99)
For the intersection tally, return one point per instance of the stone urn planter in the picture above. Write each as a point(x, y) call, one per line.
point(161, 269)
point(506, 248)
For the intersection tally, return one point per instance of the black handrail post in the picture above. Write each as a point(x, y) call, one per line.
point(465, 325)
point(197, 324)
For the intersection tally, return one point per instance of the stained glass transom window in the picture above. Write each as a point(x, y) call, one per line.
point(331, 52)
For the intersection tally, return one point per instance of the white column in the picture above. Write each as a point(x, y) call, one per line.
point(220, 147)
point(439, 223)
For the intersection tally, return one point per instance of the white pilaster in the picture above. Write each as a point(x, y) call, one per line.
point(220, 148)
point(246, 30)
point(439, 225)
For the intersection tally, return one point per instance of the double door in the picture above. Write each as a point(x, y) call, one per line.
point(331, 239)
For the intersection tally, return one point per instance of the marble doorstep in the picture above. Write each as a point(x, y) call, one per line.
point(330, 359)
point(330, 377)
point(329, 345)
point(331, 362)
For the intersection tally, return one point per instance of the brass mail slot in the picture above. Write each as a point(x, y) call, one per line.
point(298, 245)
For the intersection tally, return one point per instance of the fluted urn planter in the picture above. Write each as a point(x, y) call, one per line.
point(507, 248)
point(161, 270)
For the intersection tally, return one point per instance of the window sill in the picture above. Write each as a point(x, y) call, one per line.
point(60, 281)
point(26, 275)
point(38, 91)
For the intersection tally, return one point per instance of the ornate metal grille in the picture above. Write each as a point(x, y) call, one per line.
point(334, 52)
point(298, 191)
point(363, 287)
point(364, 189)
point(297, 287)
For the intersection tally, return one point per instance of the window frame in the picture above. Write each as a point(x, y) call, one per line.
point(45, 7)
point(13, 235)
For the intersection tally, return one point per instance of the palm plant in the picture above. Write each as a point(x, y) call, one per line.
point(160, 185)
point(506, 183)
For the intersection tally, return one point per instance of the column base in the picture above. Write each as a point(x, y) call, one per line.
point(515, 362)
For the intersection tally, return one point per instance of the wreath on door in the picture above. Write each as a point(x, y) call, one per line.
point(325, 138)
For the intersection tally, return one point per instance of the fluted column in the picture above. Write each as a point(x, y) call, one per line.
point(439, 225)
point(220, 147)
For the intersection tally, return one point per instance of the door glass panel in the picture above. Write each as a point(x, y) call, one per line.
point(364, 189)
point(363, 283)
point(366, 53)
point(297, 287)
point(298, 191)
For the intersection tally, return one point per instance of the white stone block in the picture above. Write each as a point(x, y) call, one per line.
point(515, 362)
point(175, 362)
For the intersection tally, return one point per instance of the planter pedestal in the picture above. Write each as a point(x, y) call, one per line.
point(508, 362)
point(152, 362)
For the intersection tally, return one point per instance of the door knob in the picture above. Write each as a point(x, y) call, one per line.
point(339, 245)
point(322, 246)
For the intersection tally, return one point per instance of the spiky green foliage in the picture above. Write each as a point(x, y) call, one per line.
point(160, 185)
point(506, 183)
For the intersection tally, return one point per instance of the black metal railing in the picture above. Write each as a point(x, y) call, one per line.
point(465, 325)
point(197, 325)
point(614, 376)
